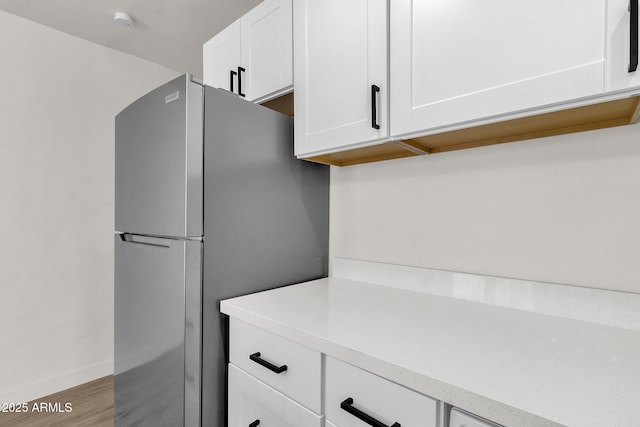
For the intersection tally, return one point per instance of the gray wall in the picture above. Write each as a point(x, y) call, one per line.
point(58, 97)
point(561, 209)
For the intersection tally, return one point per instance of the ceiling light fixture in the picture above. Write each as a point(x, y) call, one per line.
point(123, 19)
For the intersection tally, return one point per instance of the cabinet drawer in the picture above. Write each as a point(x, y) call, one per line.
point(260, 352)
point(351, 390)
point(251, 401)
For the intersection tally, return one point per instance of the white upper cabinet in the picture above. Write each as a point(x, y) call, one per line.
point(622, 45)
point(267, 49)
point(221, 58)
point(253, 56)
point(455, 61)
point(341, 78)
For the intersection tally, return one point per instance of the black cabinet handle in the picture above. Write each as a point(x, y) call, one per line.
point(633, 34)
point(374, 106)
point(240, 71)
point(277, 369)
point(231, 75)
point(347, 405)
point(256, 423)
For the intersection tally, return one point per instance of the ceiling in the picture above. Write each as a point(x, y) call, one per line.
point(167, 32)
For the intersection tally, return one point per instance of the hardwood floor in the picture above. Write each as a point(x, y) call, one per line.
point(90, 404)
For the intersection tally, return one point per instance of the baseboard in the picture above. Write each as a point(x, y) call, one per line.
point(54, 384)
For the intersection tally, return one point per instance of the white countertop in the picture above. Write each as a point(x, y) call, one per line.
point(514, 367)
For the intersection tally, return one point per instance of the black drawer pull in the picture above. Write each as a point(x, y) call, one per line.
point(347, 405)
point(277, 369)
point(256, 423)
point(633, 34)
point(374, 106)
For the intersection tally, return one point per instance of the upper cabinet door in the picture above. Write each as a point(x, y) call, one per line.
point(253, 56)
point(340, 73)
point(454, 61)
point(221, 59)
point(622, 45)
point(267, 50)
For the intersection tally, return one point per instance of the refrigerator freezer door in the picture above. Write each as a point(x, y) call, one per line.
point(158, 157)
point(157, 331)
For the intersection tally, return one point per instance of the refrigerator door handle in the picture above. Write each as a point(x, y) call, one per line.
point(145, 240)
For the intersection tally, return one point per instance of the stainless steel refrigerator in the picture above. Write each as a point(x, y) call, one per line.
point(209, 204)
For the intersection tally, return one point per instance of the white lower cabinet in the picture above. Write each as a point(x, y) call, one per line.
point(253, 403)
point(353, 395)
point(287, 366)
point(276, 382)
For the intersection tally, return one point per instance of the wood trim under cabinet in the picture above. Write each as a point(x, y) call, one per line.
point(372, 153)
point(619, 112)
point(282, 104)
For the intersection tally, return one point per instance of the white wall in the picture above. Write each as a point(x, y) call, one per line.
point(561, 209)
point(58, 98)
